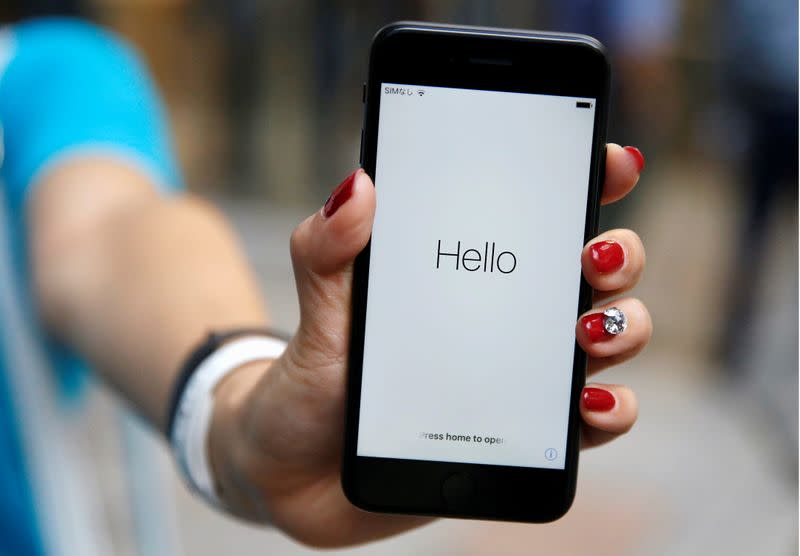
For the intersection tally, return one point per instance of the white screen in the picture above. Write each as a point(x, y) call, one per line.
point(472, 361)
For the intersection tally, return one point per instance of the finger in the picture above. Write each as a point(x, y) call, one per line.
point(329, 240)
point(598, 342)
point(597, 364)
point(608, 411)
point(323, 248)
point(613, 262)
point(623, 166)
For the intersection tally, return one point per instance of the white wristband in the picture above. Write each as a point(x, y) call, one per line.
point(190, 427)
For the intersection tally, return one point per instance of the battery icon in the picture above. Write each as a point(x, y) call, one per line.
point(582, 104)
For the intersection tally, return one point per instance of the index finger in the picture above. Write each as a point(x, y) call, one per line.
point(623, 166)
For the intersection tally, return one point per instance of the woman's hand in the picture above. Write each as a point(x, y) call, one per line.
point(276, 437)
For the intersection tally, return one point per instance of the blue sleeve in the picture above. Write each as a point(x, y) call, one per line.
point(68, 87)
point(72, 87)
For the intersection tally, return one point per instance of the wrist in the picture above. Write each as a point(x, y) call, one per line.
point(212, 363)
point(229, 445)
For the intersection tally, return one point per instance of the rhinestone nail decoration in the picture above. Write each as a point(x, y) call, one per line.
point(614, 321)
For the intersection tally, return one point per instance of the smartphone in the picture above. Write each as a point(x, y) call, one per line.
point(486, 147)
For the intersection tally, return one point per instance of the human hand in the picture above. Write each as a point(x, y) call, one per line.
point(277, 433)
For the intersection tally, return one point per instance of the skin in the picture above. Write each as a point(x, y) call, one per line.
point(134, 280)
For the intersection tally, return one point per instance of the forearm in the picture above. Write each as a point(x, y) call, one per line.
point(133, 280)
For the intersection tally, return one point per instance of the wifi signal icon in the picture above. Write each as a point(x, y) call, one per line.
point(420, 92)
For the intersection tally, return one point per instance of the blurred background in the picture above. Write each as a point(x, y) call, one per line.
point(264, 99)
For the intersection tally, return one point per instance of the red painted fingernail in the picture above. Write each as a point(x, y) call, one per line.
point(607, 256)
point(593, 325)
point(637, 154)
point(340, 195)
point(597, 399)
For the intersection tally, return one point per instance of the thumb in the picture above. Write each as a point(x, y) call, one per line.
point(323, 248)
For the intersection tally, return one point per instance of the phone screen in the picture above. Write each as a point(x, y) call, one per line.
point(474, 275)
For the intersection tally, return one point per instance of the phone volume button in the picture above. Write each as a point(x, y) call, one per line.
point(364, 92)
point(361, 149)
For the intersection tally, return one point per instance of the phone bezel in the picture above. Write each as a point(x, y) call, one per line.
point(489, 59)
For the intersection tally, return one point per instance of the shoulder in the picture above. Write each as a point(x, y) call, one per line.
point(68, 31)
point(60, 42)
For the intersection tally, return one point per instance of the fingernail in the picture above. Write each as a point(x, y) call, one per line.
point(594, 325)
point(607, 256)
point(637, 154)
point(597, 399)
point(340, 195)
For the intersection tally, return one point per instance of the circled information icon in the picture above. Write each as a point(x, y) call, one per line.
point(550, 454)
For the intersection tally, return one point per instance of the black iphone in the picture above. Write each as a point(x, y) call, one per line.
point(486, 147)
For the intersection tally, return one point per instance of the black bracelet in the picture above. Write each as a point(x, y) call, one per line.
point(208, 346)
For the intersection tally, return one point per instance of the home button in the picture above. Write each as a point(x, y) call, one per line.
point(457, 491)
